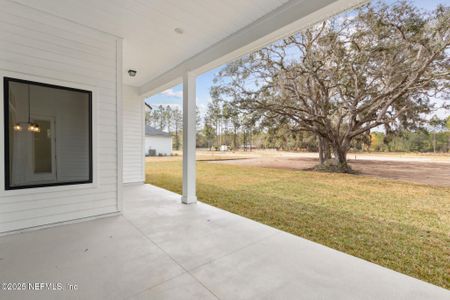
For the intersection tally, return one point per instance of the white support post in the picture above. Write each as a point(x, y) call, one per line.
point(189, 138)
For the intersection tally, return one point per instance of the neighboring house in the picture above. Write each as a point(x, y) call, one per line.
point(157, 140)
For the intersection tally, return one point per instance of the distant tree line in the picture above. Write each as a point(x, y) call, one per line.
point(169, 119)
point(223, 124)
point(433, 138)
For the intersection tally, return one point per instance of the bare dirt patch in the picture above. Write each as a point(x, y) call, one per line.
point(432, 173)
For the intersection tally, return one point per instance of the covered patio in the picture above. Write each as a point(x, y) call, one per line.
point(104, 234)
point(161, 249)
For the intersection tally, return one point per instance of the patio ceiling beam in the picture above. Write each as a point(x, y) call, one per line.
point(289, 18)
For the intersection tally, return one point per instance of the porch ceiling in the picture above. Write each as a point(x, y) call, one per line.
point(211, 29)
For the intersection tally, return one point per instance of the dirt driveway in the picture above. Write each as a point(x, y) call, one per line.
point(433, 173)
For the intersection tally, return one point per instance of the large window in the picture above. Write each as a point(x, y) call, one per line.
point(48, 135)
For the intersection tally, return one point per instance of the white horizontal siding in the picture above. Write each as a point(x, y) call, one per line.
point(133, 135)
point(78, 213)
point(39, 45)
point(162, 144)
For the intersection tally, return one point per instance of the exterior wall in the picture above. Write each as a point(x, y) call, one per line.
point(162, 144)
point(133, 135)
point(40, 47)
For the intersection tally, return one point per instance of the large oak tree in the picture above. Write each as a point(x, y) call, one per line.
point(376, 66)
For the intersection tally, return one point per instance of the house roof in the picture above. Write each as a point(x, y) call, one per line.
point(152, 131)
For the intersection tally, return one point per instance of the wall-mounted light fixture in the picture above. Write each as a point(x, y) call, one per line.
point(132, 73)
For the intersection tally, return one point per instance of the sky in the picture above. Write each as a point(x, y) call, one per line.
point(174, 96)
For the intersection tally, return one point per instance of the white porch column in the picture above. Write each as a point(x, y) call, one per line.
point(189, 138)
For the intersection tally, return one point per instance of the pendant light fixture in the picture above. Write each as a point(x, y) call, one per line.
point(18, 127)
point(31, 127)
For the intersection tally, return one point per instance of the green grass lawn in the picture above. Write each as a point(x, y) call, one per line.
point(402, 226)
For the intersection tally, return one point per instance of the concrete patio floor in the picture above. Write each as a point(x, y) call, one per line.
point(161, 249)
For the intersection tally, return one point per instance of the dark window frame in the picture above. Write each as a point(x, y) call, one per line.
point(6, 81)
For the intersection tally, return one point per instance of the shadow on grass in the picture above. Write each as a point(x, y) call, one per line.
point(221, 159)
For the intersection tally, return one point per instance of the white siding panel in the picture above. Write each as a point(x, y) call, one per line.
point(133, 135)
point(162, 144)
point(42, 47)
point(54, 218)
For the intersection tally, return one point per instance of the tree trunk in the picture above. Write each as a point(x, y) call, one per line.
point(321, 150)
point(340, 154)
point(245, 141)
point(326, 149)
point(176, 141)
point(434, 142)
point(448, 142)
